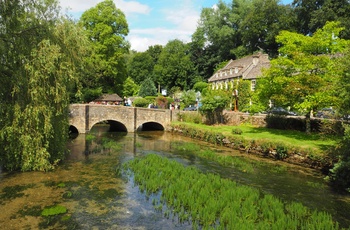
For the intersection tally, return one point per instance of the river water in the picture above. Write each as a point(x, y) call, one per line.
point(97, 195)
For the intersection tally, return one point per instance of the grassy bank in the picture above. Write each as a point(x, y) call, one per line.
point(313, 150)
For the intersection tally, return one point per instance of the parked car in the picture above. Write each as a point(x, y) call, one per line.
point(281, 111)
point(190, 108)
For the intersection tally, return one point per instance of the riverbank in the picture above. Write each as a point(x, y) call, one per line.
point(312, 151)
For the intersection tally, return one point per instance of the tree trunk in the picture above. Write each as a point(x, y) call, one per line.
point(308, 123)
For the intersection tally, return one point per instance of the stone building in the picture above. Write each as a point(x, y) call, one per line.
point(109, 99)
point(246, 68)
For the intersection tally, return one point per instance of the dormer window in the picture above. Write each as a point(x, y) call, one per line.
point(236, 70)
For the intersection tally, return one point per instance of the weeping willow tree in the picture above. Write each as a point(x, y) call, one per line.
point(39, 59)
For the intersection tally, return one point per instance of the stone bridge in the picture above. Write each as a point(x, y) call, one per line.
point(121, 118)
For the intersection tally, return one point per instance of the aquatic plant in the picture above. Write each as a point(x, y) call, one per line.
point(11, 192)
point(111, 144)
point(61, 185)
point(229, 161)
point(90, 137)
point(54, 210)
point(209, 201)
point(30, 210)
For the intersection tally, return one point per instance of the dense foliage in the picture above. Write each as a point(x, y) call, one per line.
point(147, 88)
point(213, 103)
point(40, 59)
point(106, 28)
point(304, 75)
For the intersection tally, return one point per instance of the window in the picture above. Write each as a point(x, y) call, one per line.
point(253, 84)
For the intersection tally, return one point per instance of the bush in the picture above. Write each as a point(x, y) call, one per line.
point(141, 102)
point(340, 173)
point(331, 127)
point(190, 117)
point(237, 131)
point(281, 152)
point(162, 102)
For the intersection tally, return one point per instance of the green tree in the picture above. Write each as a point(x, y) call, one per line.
point(154, 52)
point(313, 15)
point(130, 88)
point(201, 86)
point(303, 10)
point(106, 27)
point(213, 104)
point(264, 20)
point(343, 85)
point(140, 66)
point(304, 75)
point(147, 88)
point(244, 95)
point(216, 35)
point(188, 98)
point(174, 67)
point(40, 59)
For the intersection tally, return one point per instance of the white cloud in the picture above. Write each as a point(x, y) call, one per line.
point(141, 39)
point(177, 21)
point(131, 7)
point(76, 6)
point(128, 7)
point(183, 17)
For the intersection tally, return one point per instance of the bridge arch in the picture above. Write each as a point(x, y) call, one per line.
point(73, 129)
point(114, 126)
point(151, 126)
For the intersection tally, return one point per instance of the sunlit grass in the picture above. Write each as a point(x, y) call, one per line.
point(287, 137)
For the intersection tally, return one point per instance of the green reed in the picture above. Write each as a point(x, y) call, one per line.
point(211, 202)
point(229, 161)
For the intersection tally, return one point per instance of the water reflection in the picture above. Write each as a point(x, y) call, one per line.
point(89, 184)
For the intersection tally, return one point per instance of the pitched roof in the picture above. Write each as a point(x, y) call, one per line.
point(248, 67)
point(109, 97)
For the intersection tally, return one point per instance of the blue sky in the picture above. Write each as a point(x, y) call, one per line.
point(152, 22)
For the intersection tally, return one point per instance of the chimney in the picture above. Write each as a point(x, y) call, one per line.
point(256, 58)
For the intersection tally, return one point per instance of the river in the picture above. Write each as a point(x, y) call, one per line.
point(96, 194)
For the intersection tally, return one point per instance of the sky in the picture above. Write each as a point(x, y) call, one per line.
point(152, 22)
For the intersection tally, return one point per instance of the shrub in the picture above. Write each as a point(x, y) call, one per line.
point(162, 102)
point(237, 131)
point(141, 102)
point(281, 152)
point(331, 127)
point(190, 117)
point(340, 173)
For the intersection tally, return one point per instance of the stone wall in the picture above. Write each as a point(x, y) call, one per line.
point(237, 118)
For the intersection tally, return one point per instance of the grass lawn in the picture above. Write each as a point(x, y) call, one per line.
point(289, 137)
